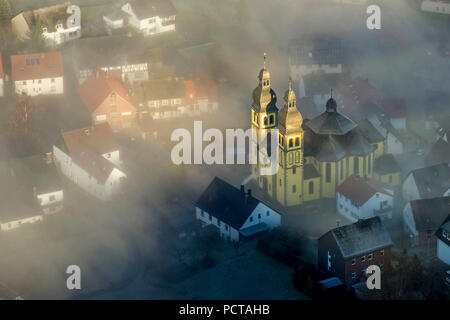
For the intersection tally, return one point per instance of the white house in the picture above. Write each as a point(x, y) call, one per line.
point(38, 73)
point(443, 242)
point(358, 198)
point(90, 158)
point(53, 19)
point(33, 190)
point(437, 6)
point(428, 182)
point(149, 17)
point(235, 213)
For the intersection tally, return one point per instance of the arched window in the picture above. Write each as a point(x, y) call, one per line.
point(294, 188)
point(269, 144)
point(297, 141)
point(272, 119)
point(328, 172)
point(356, 165)
point(265, 121)
point(294, 170)
point(311, 187)
point(290, 143)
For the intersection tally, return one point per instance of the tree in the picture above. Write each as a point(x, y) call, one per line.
point(35, 38)
point(302, 274)
point(5, 10)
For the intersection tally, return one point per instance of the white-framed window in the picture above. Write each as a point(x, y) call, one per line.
point(101, 117)
point(165, 102)
point(128, 113)
point(353, 275)
point(363, 258)
point(353, 261)
point(382, 252)
point(370, 256)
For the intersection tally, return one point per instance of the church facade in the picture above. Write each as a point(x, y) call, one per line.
point(314, 156)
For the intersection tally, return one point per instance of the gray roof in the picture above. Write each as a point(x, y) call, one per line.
point(369, 131)
point(386, 164)
point(227, 203)
point(331, 122)
point(432, 181)
point(310, 172)
point(361, 237)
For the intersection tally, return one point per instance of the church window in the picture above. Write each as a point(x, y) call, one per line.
point(311, 187)
point(294, 170)
point(294, 188)
point(297, 141)
point(265, 121)
point(272, 120)
point(356, 165)
point(328, 172)
point(290, 143)
point(369, 164)
point(267, 213)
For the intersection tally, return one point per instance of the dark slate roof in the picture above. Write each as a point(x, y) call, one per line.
point(386, 164)
point(429, 214)
point(432, 181)
point(321, 49)
point(445, 226)
point(363, 236)
point(310, 172)
point(369, 131)
point(227, 203)
point(331, 123)
point(439, 153)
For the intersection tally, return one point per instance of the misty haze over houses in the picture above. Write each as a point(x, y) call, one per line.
point(89, 105)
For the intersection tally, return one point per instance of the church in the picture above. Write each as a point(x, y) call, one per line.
point(314, 156)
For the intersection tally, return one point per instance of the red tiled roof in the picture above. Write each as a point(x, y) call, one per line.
point(40, 66)
point(87, 145)
point(356, 93)
point(395, 108)
point(207, 88)
point(429, 214)
point(359, 190)
point(100, 84)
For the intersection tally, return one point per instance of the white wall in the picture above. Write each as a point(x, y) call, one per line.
point(226, 231)
point(436, 6)
point(84, 180)
point(273, 220)
point(44, 199)
point(398, 123)
point(409, 188)
point(366, 211)
point(9, 225)
point(393, 145)
point(62, 35)
point(40, 86)
point(149, 25)
point(443, 251)
point(113, 157)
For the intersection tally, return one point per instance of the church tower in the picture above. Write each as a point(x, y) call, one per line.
point(289, 180)
point(264, 115)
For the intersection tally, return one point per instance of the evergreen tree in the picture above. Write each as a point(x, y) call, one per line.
point(5, 10)
point(37, 42)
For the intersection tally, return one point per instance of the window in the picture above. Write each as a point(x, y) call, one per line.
point(259, 215)
point(251, 219)
point(353, 275)
point(353, 261)
point(370, 256)
point(290, 143)
point(342, 169)
point(390, 178)
point(311, 187)
point(165, 102)
point(202, 213)
point(297, 141)
point(265, 121)
point(268, 213)
point(294, 170)
point(53, 80)
point(226, 227)
point(272, 119)
point(381, 266)
point(363, 258)
point(52, 198)
point(382, 252)
point(328, 172)
point(280, 182)
point(294, 188)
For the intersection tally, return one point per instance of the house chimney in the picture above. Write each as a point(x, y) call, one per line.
point(242, 188)
point(48, 158)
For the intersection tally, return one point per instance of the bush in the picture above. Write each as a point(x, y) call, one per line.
point(304, 277)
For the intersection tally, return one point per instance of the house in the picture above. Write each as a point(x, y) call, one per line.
point(387, 170)
point(443, 241)
point(428, 182)
point(318, 86)
point(2, 76)
point(395, 111)
point(38, 73)
point(111, 53)
point(439, 153)
point(106, 99)
point(436, 6)
point(53, 20)
point(32, 188)
point(172, 98)
point(90, 158)
point(358, 198)
point(317, 54)
point(234, 212)
point(422, 218)
point(347, 251)
point(149, 17)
